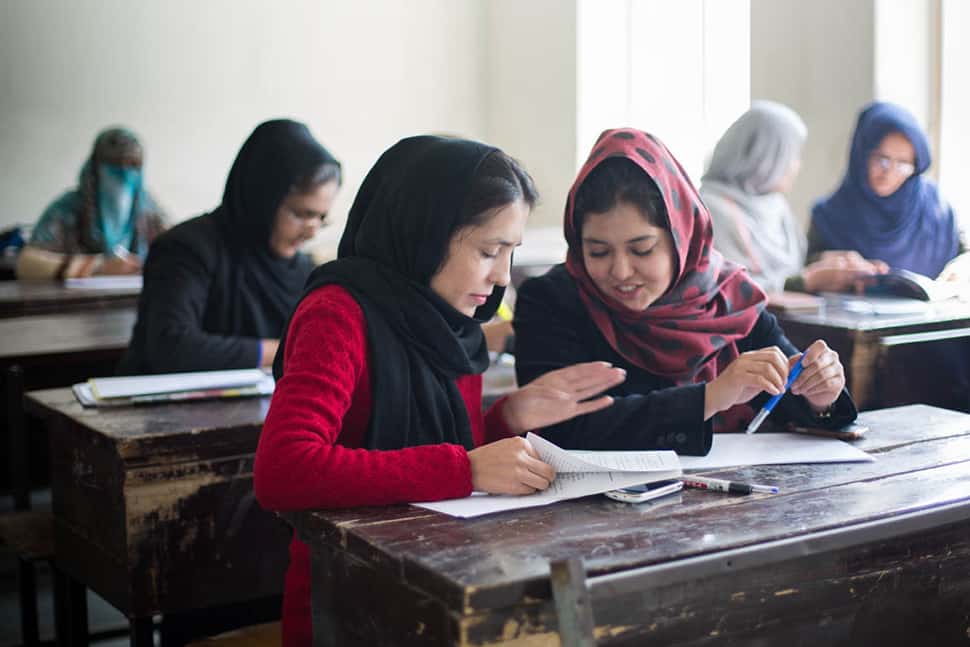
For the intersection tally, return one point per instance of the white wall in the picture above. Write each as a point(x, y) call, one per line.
point(193, 79)
point(818, 58)
point(530, 92)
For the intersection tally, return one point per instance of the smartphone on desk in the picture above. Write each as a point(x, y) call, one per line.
point(645, 491)
point(852, 431)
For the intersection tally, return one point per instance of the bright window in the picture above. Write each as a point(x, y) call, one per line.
point(954, 154)
point(680, 70)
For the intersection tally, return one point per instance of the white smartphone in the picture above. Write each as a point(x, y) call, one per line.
point(645, 492)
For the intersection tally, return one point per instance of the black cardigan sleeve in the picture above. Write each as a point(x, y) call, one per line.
point(550, 333)
point(553, 331)
point(171, 311)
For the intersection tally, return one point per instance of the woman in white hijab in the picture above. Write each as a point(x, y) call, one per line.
point(753, 165)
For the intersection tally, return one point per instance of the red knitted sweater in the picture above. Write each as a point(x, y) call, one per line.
point(310, 453)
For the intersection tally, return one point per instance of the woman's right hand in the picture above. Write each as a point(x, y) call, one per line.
point(118, 265)
point(509, 466)
point(748, 375)
point(840, 271)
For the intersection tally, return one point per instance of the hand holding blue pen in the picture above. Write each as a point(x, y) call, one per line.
point(770, 404)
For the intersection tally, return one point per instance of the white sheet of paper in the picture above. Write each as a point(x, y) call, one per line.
point(731, 450)
point(121, 387)
point(578, 474)
point(132, 282)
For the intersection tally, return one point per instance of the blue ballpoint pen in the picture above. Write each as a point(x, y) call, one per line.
point(770, 404)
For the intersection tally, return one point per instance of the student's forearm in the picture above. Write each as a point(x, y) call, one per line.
point(35, 264)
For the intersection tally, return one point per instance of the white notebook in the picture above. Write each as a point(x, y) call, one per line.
point(106, 388)
point(122, 282)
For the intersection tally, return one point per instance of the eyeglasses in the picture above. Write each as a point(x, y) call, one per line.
point(905, 169)
point(305, 218)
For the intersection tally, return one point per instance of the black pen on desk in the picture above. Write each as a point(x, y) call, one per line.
point(731, 487)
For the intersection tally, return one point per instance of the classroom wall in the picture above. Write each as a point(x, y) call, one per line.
point(194, 78)
point(827, 59)
point(819, 58)
point(530, 93)
point(534, 77)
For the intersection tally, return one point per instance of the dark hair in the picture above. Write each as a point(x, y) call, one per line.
point(322, 174)
point(619, 180)
point(499, 180)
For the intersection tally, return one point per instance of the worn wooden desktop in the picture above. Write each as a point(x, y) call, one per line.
point(862, 342)
point(21, 298)
point(846, 554)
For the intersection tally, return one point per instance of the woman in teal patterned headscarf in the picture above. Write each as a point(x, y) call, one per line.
point(105, 225)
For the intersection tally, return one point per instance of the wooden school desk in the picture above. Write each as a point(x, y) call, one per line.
point(154, 508)
point(21, 298)
point(876, 350)
point(52, 350)
point(862, 554)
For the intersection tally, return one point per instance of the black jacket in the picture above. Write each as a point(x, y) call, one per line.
point(553, 329)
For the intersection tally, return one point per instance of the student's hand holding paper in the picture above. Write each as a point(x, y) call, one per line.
point(751, 373)
point(822, 378)
point(509, 466)
point(560, 395)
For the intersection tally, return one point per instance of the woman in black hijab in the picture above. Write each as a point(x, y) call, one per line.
point(218, 288)
point(378, 396)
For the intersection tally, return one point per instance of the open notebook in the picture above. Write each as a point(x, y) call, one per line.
point(172, 387)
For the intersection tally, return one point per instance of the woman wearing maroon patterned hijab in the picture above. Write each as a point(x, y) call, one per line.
point(643, 288)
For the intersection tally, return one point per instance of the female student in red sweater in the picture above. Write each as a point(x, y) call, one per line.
point(378, 397)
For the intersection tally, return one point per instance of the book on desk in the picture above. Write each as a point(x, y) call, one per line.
point(173, 387)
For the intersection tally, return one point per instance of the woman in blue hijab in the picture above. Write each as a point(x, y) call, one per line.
point(105, 225)
point(885, 208)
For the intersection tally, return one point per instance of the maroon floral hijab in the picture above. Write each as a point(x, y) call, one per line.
point(690, 333)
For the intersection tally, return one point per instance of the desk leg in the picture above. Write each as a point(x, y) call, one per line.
point(141, 632)
point(862, 365)
point(70, 610)
point(13, 391)
point(27, 582)
point(322, 595)
point(574, 609)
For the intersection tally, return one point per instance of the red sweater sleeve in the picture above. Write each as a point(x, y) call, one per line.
point(306, 456)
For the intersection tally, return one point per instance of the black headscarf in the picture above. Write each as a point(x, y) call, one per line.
point(397, 237)
point(263, 286)
point(213, 287)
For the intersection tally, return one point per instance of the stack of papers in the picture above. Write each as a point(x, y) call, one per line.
point(171, 387)
point(577, 474)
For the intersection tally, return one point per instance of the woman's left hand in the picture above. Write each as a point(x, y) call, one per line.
point(822, 378)
point(560, 395)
